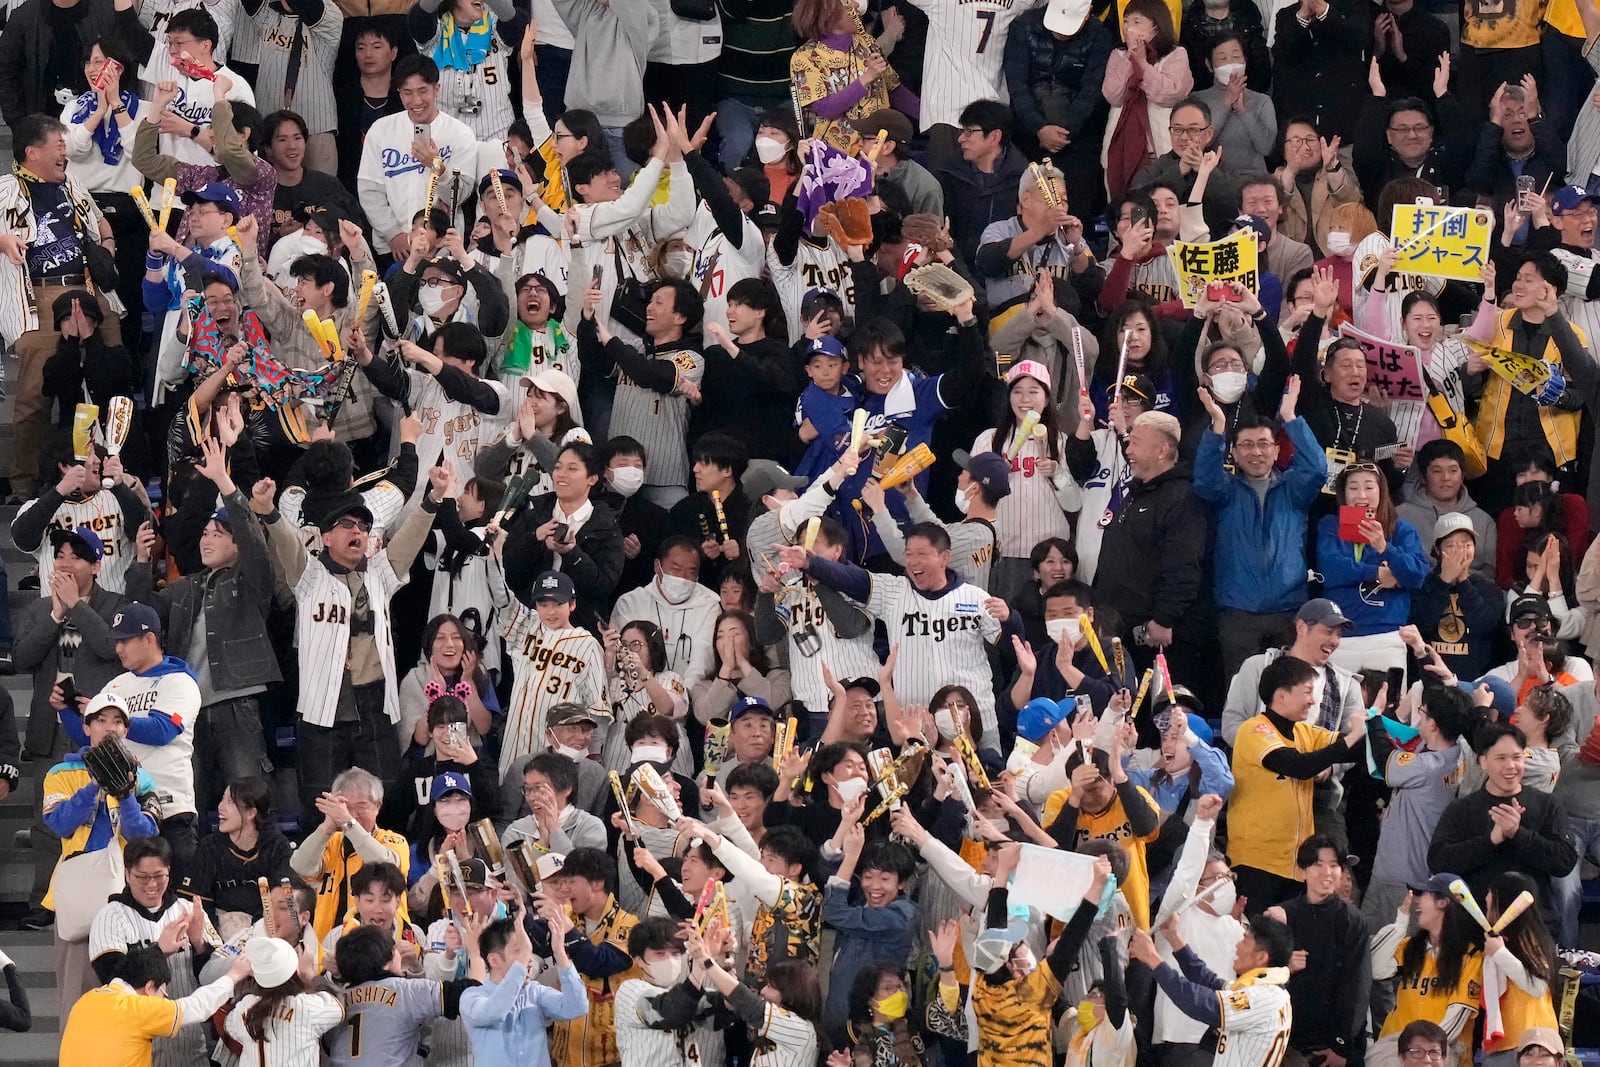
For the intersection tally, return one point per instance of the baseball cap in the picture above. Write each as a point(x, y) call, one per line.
point(554, 585)
point(763, 476)
point(1452, 522)
point(1438, 884)
point(61, 308)
point(448, 782)
point(1570, 196)
point(1029, 368)
point(107, 702)
point(1530, 605)
point(475, 872)
point(216, 193)
point(825, 346)
point(134, 620)
point(1503, 699)
point(754, 182)
point(1140, 386)
point(272, 961)
point(1542, 1037)
point(1320, 611)
point(558, 382)
point(767, 217)
point(886, 123)
point(1253, 222)
point(86, 544)
point(549, 865)
point(868, 684)
point(508, 180)
point(220, 517)
point(988, 469)
point(1038, 717)
point(1066, 16)
point(568, 713)
point(750, 705)
point(344, 504)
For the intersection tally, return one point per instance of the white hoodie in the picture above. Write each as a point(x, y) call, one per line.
point(689, 628)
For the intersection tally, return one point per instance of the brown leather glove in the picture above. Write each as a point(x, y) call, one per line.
point(856, 220)
point(927, 231)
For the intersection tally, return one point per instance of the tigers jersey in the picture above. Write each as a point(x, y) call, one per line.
point(104, 828)
point(481, 95)
point(296, 65)
point(627, 704)
point(659, 421)
point(1014, 1019)
point(1036, 508)
point(813, 642)
point(113, 1025)
point(451, 430)
point(718, 265)
point(1255, 1025)
point(103, 514)
point(640, 1043)
point(291, 1035)
point(1269, 814)
point(1423, 996)
point(1156, 278)
point(783, 1039)
point(961, 63)
point(383, 499)
point(340, 862)
point(814, 266)
point(551, 667)
point(944, 640)
point(384, 1022)
point(119, 925)
point(787, 930)
point(590, 1040)
point(1112, 825)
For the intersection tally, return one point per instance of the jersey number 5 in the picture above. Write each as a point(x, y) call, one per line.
point(987, 18)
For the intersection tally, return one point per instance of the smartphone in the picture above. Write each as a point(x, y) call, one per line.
point(112, 69)
point(69, 693)
point(563, 533)
point(1524, 184)
point(1085, 705)
point(419, 130)
point(456, 732)
point(1217, 291)
point(595, 277)
point(1350, 520)
point(1141, 214)
point(1397, 682)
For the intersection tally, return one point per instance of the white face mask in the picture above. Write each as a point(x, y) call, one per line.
point(646, 752)
point(677, 264)
point(563, 750)
point(1228, 72)
point(432, 299)
point(850, 789)
point(313, 246)
point(664, 974)
point(1221, 902)
point(962, 501)
point(676, 589)
point(453, 816)
point(1229, 385)
point(769, 149)
point(945, 721)
point(1064, 631)
point(1339, 243)
point(627, 480)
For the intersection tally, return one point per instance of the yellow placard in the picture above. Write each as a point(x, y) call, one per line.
point(85, 420)
point(1442, 242)
point(1232, 259)
point(1525, 373)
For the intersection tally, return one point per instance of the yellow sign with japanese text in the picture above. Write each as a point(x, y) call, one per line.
point(1443, 242)
point(1526, 374)
point(1232, 259)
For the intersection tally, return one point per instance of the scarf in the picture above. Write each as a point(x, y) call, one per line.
point(107, 135)
point(463, 49)
point(1130, 145)
point(1264, 975)
point(519, 354)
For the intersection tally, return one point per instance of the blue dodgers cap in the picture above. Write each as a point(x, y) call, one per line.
point(220, 517)
point(825, 346)
point(1570, 196)
point(86, 544)
point(224, 196)
point(748, 705)
point(1256, 223)
point(1438, 884)
point(134, 620)
point(448, 782)
point(1039, 716)
point(988, 469)
point(1504, 701)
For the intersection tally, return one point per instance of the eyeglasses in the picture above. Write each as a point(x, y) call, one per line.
point(1302, 142)
point(1225, 876)
point(148, 879)
point(976, 131)
point(1433, 1054)
point(1523, 622)
point(351, 523)
point(1188, 131)
point(439, 283)
point(1255, 446)
point(1226, 365)
point(559, 136)
point(1412, 131)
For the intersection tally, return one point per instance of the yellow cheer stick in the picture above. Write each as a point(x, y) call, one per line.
point(909, 466)
point(314, 324)
point(369, 281)
point(1094, 642)
point(1464, 897)
point(143, 204)
point(330, 340)
point(813, 525)
point(858, 430)
point(169, 194)
point(1523, 902)
point(1144, 690)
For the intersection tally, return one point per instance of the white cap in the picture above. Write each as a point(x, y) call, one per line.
point(1452, 522)
point(1066, 16)
point(549, 865)
point(107, 700)
point(559, 382)
point(272, 962)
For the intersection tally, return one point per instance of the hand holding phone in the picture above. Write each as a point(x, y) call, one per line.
point(1350, 520)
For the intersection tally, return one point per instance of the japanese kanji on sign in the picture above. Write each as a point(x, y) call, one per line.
point(1232, 259)
point(1395, 370)
point(1526, 374)
point(1444, 242)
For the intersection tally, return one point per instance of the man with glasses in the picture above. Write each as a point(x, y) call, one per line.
point(981, 186)
point(1397, 138)
point(1193, 132)
point(349, 685)
point(1314, 181)
point(192, 38)
point(1423, 1044)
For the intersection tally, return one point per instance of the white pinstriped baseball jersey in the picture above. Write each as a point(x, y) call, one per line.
point(660, 421)
point(479, 97)
point(1255, 1026)
point(813, 642)
point(786, 1040)
point(552, 667)
point(813, 267)
point(102, 513)
point(1037, 507)
point(961, 63)
point(292, 1036)
point(120, 924)
point(322, 636)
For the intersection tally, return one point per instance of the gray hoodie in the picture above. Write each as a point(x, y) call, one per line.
point(610, 42)
point(1421, 511)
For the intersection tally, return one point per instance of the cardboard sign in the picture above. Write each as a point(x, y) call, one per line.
point(1396, 370)
point(1232, 259)
point(1444, 242)
point(1526, 374)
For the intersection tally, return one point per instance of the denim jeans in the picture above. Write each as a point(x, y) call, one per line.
point(736, 125)
point(1566, 892)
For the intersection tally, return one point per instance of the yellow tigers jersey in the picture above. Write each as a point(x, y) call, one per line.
point(788, 930)
point(1270, 814)
point(339, 865)
point(1014, 1019)
point(1562, 15)
point(1112, 825)
point(1501, 23)
point(112, 1026)
point(103, 829)
point(1423, 997)
point(1520, 1010)
point(590, 1040)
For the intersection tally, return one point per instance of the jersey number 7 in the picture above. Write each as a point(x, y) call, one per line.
point(987, 18)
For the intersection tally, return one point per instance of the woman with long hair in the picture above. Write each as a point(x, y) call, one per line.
point(740, 668)
point(1370, 560)
point(840, 74)
point(1519, 966)
point(776, 151)
point(277, 1007)
point(1444, 358)
point(1145, 79)
point(1438, 970)
point(1133, 325)
point(1043, 491)
point(247, 845)
point(878, 1032)
point(575, 132)
point(452, 659)
point(1549, 574)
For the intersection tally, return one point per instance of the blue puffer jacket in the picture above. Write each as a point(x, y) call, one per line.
point(1260, 559)
point(1353, 583)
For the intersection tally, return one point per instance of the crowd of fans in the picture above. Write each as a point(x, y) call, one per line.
point(724, 532)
